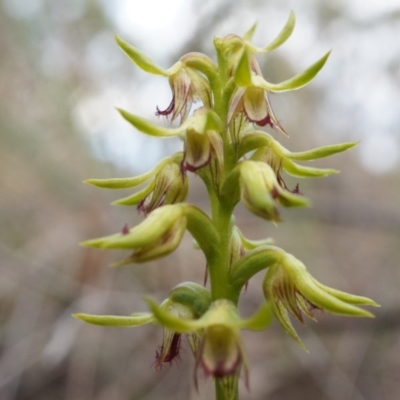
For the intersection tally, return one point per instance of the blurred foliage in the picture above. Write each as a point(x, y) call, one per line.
point(349, 239)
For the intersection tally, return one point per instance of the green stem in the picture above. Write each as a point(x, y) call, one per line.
point(221, 394)
point(219, 268)
point(222, 210)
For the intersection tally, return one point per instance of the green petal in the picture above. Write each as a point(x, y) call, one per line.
point(135, 198)
point(282, 316)
point(283, 35)
point(249, 34)
point(242, 75)
point(249, 244)
point(306, 172)
point(316, 294)
point(322, 299)
point(297, 81)
point(146, 233)
point(162, 246)
point(288, 199)
point(259, 320)
point(119, 183)
point(348, 298)
point(320, 152)
point(140, 59)
point(202, 63)
point(125, 183)
point(253, 141)
point(170, 321)
point(136, 319)
point(253, 262)
point(147, 127)
point(192, 295)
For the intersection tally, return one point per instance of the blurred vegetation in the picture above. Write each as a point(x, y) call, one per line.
point(349, 239)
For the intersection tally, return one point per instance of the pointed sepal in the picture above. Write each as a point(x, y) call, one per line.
point(140, 59)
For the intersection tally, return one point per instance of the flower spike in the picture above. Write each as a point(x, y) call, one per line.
point(216, 108)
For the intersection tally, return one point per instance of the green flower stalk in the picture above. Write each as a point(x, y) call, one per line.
point(221, 106)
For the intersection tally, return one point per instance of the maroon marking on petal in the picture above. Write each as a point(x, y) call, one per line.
point(141, 208)
point(125, 229)
point(185, 166)
point(205, 276)
point(296, 190)
point(279, 177)
point(174, 348)
point(168, 110)
point(173, 352)
point(182, 166)
point(265, 121)
point(274, 193)
point(221, 371)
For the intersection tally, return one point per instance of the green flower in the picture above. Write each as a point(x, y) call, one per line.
point(253, 102)
point(289, 287)
point(221, 352)
point(161, 233)
point(187, 84)
point(168, 185)
point(251, 95)
point(186, 301)
point(188, 87)
point(269, 151)
point(158, 235)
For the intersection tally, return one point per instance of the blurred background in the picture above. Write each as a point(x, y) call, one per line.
point(61, 77)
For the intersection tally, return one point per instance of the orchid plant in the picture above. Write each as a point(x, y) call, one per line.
point(224, 145)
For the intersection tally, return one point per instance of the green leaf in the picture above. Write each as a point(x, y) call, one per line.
point(306, 172)
point(242, 75)
point(320, 152)
point(283, 35)
point(147, 127)
point(297, 81)
point(136, 319)
point(140, 59)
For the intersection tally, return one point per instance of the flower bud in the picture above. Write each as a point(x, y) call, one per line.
point(260, 191)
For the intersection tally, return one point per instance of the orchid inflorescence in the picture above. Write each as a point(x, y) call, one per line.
point(238, 162)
